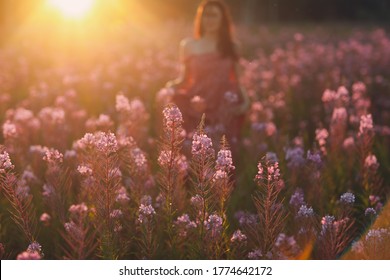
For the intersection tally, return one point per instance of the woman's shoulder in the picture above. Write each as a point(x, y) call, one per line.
point(187, 42)
point(187, 45)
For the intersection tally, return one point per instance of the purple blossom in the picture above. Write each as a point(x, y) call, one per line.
point(327, 223)
point(245, 218)
point(377, 234)
point(347, 198)
point(184, 224)
point(172, 116)
point(122, 103)
point(197, 201)
point(371, 162)
point(366, 124)
point(145, 213)
point(45, 219)
point(255, 254)
point(121, 195)
point(238, 237)
point(84, 170)
point(52, 156)
point(201, 145)
point(116, 214)
point(294, 157)
point(314, 158)
point(297, 198)
point(101, 141)
point(9, 130)
point(78, 209)
point(305, 212)
point(224, 160)
point(139, 158)
point(370, 212)
point(5, 162)
point(214, 224)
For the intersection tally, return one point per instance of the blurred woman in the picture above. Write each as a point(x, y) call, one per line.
point(209, 75)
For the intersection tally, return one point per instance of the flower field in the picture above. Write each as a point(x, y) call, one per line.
point(95, 163)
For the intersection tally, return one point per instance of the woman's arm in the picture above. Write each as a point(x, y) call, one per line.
point(183, 53)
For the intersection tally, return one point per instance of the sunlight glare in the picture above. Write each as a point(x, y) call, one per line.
point(72, 8)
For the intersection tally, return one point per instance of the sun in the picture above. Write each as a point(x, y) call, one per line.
point(72, 8)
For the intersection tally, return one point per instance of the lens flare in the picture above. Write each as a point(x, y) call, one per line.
point(72, 8)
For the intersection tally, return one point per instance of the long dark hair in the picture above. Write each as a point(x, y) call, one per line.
point(225, 38)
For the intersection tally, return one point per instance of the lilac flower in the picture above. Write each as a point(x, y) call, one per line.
point(184, 223)
point(172, 115)
point(327, 223)
point(201, 145)
point(371, 162)
point(34, 247)
point(214, 224)
point(328, 96)
point(116, 214)
point(359, 87)
point(9, 130)
point(121, 195)
point(294, 157)
point(370, 212)
point(339, 116)
point(347, 198)
point(22, 191)
point(165, 157)
point(287, 243)
point(78, 209)
point(146, 200)
point(52, 156)
point(197, 201)
point(106, 142)
point(348, 143)
point(273, 171)
point(73, 229)
point(122, 103)
point(238, 237)
point(220, 175)
point(45, 219)
point(54, 116)
point(5, 162)
point(255, 254)
point(139, 158)
point(366, 124)
point(145, 213)
point(305, 212)
point(357, 247)
point(271, 157)
point(84, 170)
point(48, 191)
point(245, 218)
point(224, 160)
point(102, 141)
point(377, 234)
point(314, 158)
point(297, 198)
point(260, 172)
point(321, 136)
point(343, 94)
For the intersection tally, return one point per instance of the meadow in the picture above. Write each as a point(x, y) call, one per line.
point(95, 164)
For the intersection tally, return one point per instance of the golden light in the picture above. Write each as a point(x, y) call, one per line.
point(72, 8)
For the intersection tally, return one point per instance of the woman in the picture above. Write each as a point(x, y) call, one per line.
point(208, 81)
